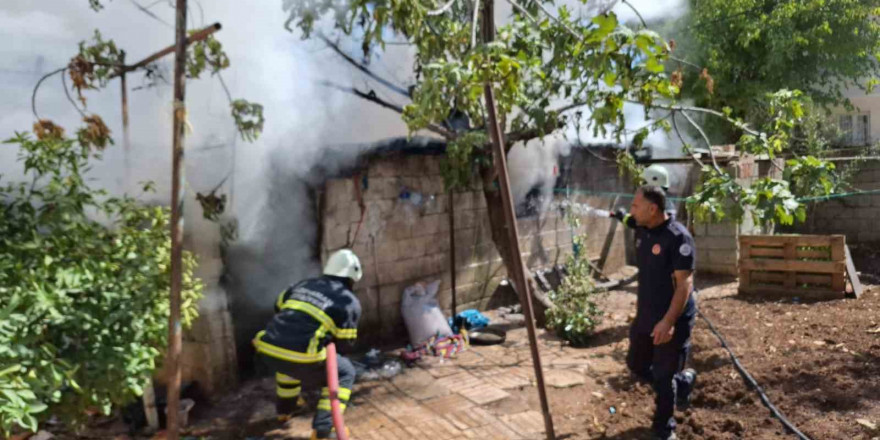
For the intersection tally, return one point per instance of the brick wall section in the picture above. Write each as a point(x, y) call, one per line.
point(400, 243)
point(855, 216)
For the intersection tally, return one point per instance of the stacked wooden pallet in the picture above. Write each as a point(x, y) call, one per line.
point(795, 265)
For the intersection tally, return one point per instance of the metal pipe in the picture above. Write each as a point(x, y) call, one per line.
point(198, 35)
point(518, 268)
point(177, 192)
point(452, 251)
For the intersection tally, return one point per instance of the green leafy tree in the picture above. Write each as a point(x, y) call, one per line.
point(551, 68)
point(746, 49)
point(84, 287)
point(84, 277)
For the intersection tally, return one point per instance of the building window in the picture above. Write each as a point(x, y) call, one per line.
point(855, 129)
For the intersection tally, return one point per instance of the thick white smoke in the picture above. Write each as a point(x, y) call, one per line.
point(264, 180)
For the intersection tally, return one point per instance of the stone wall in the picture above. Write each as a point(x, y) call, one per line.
point(404, 237)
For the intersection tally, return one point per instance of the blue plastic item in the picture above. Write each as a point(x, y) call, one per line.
point(471, 318)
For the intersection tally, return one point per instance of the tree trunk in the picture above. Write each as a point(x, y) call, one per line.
point(498, 226)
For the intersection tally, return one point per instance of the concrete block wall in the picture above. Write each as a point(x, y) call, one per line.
point(855, 216)
point(717, 247)
point(209, 352)
point(400, 242)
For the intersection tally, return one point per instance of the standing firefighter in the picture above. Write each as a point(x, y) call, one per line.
point(309, 315)
point(659, 339)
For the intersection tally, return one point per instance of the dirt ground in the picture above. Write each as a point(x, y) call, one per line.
point(818, 362)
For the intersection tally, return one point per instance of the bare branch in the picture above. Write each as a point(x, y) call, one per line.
point(705, 138)
point(638, 14)
point(442, 9)
point(363, 68)
point(37, 87)
point(522, 11)
point(519, 7)
point(225, 88)
point(69, 98)
point(684, 142)
point(371, 96)
point(151, 14)
point(685, 62)
point(474, 24)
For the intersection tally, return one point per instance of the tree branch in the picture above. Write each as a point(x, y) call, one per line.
point(522, 11)
point(363, 68)
point(371, 96)
point(474, 24)
point(638, 14)
point(69, 98)
point(442, 9)
point(705, 138)
point(225, 89)
point(37, 87)
point(684, 142)
point(548, 14)
point(685, 62)
point(151, 14)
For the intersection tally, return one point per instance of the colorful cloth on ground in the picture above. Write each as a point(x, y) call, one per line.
point(447, 347)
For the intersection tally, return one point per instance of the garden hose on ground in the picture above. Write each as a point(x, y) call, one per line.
point(751, 382)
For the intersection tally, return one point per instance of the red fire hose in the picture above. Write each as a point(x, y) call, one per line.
point(333, 388)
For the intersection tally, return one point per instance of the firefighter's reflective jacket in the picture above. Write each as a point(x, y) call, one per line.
point(308, 316)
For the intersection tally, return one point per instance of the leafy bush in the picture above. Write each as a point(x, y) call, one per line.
point(576, 313)
point(84, 287)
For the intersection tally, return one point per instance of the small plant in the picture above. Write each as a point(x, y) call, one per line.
point(576, 312)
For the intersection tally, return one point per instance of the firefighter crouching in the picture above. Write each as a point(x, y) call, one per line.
point(308, 316)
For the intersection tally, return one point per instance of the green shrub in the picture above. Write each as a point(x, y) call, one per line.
point(576, 313)
point(84, 287)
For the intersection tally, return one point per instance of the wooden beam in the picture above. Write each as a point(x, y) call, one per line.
point(519, 271)
point(798, 240)
point(853, 275)
point(198, 35)
point(795, 265)
point(809, 293)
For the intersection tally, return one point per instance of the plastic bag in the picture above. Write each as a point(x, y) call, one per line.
point(471, 319)
point(421, 313)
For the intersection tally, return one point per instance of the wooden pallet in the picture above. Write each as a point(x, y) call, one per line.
point(793, 265)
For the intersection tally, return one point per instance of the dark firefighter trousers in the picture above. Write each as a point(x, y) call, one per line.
point(291, 377)
point(661, 366)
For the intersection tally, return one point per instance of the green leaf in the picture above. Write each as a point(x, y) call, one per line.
point(653, 65)
point(606, 23)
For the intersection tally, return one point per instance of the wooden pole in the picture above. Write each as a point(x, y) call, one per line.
point(198, 35)
point(126, 138)
point(177, 187)
point(518, 268)
point(452, 251)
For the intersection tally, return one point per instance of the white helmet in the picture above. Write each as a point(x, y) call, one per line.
point(345, 264)
point(656, 175)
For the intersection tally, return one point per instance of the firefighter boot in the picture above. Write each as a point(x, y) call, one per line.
point(326, 435)
point(685, 383)
point(287, 408)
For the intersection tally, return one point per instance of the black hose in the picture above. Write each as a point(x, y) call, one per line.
point(751, 381)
